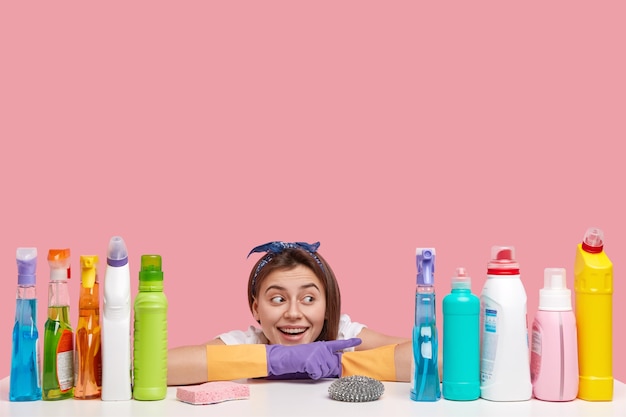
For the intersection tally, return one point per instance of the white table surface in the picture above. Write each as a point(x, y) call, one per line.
point(310, 398)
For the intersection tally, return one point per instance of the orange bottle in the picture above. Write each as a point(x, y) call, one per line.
point(88, 368)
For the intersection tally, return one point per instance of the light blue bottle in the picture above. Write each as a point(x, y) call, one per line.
point(25, 383)
point(461, 341)
point(425, 385)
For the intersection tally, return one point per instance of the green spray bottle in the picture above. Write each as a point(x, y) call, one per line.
point(150, 333)
point(58, 339)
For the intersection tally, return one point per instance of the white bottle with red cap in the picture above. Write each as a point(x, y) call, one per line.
point(504, 354)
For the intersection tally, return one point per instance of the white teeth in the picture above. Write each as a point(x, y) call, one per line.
point(293, 331)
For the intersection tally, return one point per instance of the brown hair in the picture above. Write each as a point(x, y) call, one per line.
point(288, 259)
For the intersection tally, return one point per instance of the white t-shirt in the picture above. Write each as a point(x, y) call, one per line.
point(347, 330)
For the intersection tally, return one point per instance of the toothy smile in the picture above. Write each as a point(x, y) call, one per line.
point(292, 330)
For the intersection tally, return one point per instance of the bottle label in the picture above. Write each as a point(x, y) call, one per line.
point(491, 320)
point(65, 361)
point(536, 345)
point(489, 343)
point(535, 354)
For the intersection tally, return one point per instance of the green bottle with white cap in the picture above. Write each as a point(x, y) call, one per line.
point(150, 333)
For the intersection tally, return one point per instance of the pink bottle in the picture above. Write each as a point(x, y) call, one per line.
point(554, 349)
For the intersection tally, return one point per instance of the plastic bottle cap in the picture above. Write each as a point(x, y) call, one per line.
point(59, 261)
point(117, 254)
point(593, 242)
point(503, 261)
point(151, 268)
point(555, 296)
point(462, 280)
point(26, 265)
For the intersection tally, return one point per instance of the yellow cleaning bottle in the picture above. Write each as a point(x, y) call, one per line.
point(593, 285)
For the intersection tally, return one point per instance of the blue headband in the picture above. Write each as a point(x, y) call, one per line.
point(277, 247)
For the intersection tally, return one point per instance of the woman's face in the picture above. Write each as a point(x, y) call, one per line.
point(290, 306)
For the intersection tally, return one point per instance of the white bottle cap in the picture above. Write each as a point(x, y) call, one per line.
point(554, 296)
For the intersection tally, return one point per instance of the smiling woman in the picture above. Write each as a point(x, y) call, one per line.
point(294, 296)
point(291, 307)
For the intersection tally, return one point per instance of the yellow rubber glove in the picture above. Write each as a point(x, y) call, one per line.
point(376, 363)
point(228, 362)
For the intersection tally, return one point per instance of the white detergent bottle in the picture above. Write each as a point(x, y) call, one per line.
point(116, 364)
point(504, 353)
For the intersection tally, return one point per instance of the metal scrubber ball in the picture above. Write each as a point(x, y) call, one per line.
point(356, 388)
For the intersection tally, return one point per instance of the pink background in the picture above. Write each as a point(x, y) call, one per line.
point(198, 130)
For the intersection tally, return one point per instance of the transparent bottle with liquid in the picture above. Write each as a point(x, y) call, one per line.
point(25, 382)
point(150, 333)
point(593, 287)
point(58, 356)
point(425, 383)
point(504, 353)
point(88, 367)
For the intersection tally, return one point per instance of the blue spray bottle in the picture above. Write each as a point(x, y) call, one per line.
point(25, 383)
point(425, 384)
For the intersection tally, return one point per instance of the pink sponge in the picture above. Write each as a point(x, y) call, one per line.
point(213, 392)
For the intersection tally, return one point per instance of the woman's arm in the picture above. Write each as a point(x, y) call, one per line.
point(403, 357)
point(188, 364)
point(371, 339)
point(403, 351)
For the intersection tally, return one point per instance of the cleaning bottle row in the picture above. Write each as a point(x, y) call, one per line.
point(95, 362)
point(487, 350)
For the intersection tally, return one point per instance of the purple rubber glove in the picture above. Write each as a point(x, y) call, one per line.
point(317, 359)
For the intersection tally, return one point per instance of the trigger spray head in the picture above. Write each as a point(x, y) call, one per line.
point(425, 259)
point(88, 270)
point(59, 261)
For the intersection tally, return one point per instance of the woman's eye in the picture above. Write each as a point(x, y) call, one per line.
point(277, 299)
point(308, 299)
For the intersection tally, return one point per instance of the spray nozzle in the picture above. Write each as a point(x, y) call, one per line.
point(461, 280)
point(26, 265)
point(593, 242)
point(425, 258)
point(88, 267)
point(59, 261)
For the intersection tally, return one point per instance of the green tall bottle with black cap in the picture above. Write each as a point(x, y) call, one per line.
point(150, 333)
